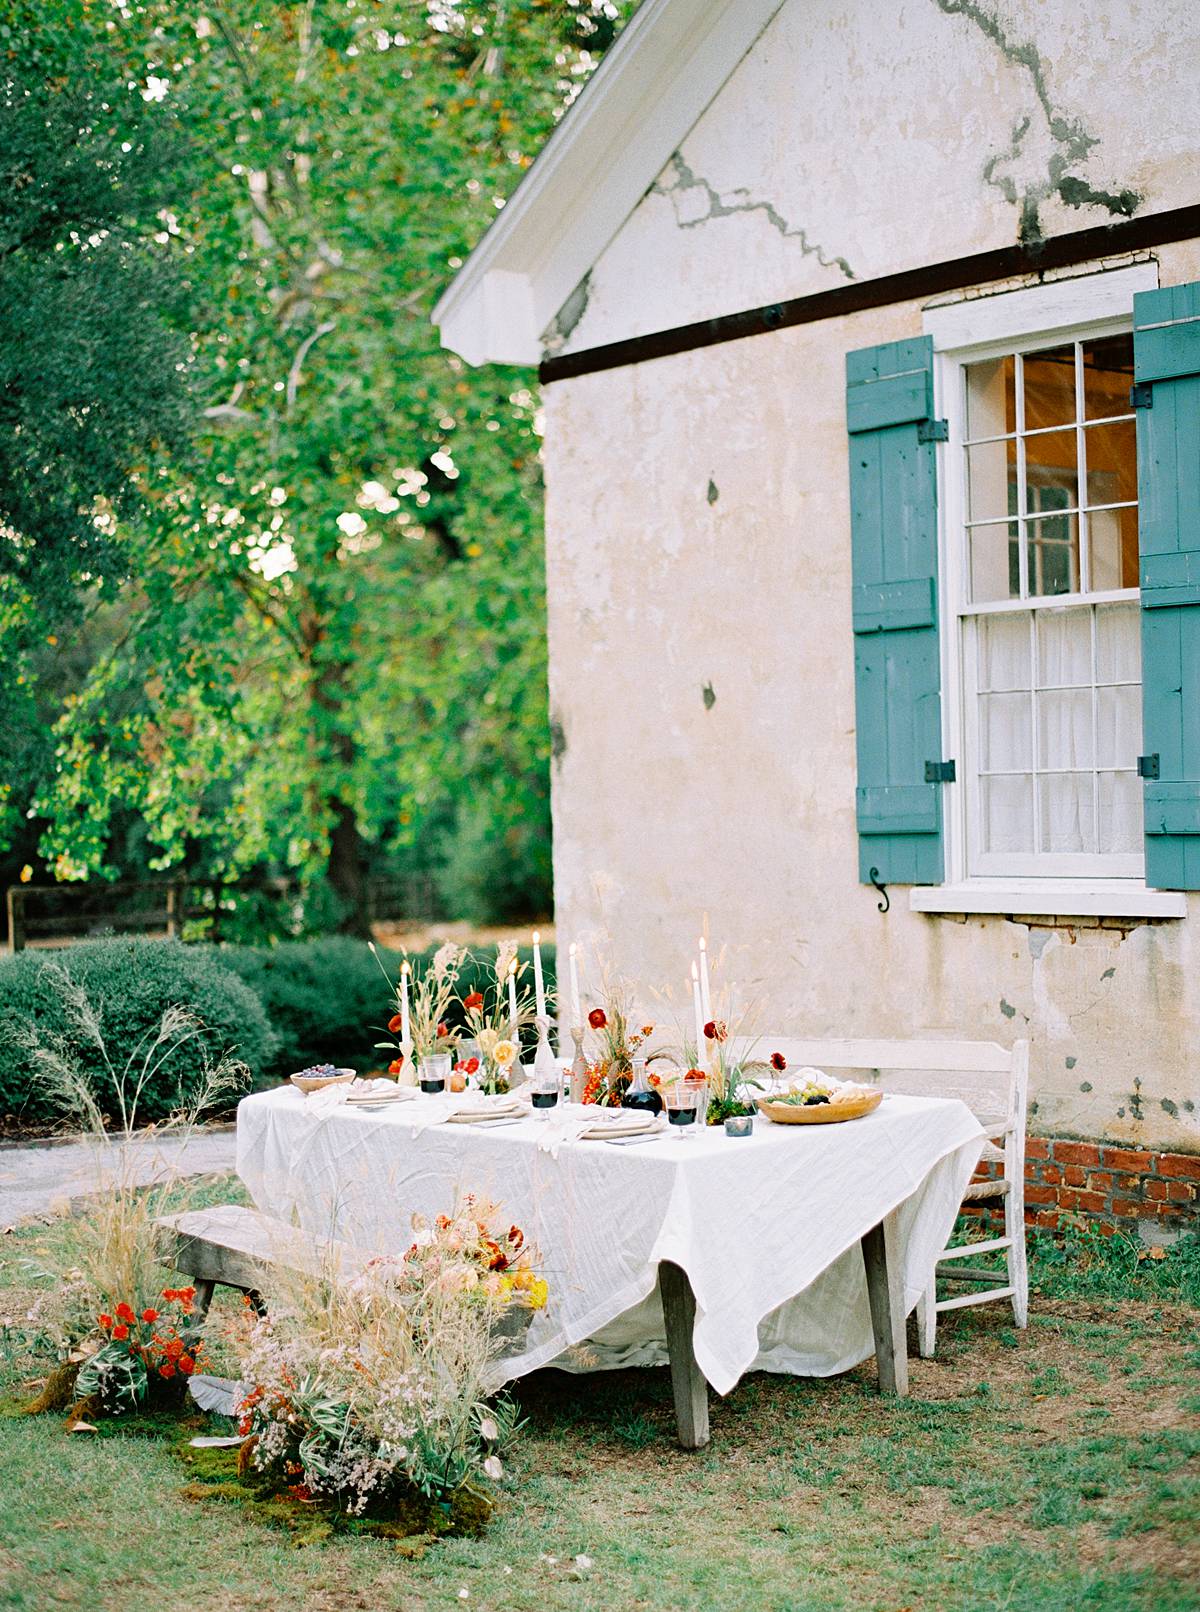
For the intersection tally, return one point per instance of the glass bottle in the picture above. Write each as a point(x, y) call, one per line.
point(640, 1093)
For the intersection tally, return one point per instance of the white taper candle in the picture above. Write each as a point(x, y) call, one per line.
point(705, 997)
point(576, 1003)
point(539, 987)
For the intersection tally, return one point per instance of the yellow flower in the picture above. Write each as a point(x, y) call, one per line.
point(537, 1294)
point(503, 1053)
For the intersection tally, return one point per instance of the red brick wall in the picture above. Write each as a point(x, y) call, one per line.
point(1112, 1186)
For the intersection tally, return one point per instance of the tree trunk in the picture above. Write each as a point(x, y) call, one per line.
point(347, 871)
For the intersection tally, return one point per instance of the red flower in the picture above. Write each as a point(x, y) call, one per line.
point(396, 1023)
point(472, 1065)
point(105, 1321)
point(186, 1365)
point(474, 1000)
point(120, 1333)
point(149, 1317)
point(174, 1348)
point(443, 1030)
point(124, 1313)
point(597, 1018)
point(166, 1369)
point(778, 1062)
point(714, 1030)
point(396, 1065)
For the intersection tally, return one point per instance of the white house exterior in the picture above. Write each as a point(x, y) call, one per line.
point(781, 264)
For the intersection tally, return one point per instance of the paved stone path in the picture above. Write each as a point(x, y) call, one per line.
point(44, 1178)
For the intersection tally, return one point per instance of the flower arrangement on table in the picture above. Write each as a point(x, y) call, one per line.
point(365, 1393)
point(494, 1018)
point(141, 1357)
point(422, 998)
point(609, 1073)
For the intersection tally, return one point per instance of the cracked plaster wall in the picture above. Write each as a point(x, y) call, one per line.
point(858, 138)
point(702, 688)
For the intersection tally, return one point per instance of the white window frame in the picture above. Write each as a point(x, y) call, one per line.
point(1079, 308)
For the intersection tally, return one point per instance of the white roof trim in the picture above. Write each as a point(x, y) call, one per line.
point(654, 82)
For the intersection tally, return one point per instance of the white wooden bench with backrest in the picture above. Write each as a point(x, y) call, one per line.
point(993, 1081)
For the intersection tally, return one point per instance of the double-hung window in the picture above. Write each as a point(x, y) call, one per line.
point(1041, 528)
point(1025, 600)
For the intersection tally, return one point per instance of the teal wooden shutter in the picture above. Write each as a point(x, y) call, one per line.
point(1166, 362)
point(897, 669)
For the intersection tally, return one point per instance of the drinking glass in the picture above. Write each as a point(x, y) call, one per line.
point(433, 1072)
point(686, 1102)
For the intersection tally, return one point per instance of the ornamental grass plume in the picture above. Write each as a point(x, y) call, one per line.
point(116, 1266)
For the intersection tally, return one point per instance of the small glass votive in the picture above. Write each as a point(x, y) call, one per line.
point(433, 1072)
point(739, 1125)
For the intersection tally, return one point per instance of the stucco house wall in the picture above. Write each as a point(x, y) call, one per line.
point(698, 549)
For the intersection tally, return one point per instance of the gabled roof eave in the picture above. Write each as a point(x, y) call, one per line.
point(655, 81)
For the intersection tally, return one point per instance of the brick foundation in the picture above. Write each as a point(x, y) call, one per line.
point(1113, 1188)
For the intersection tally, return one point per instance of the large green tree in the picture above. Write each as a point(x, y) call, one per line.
point(335, 642)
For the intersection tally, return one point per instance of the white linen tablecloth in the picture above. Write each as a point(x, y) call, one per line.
point(766, 1227)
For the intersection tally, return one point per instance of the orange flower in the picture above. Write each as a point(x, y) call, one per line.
point(124, 1313)
point(186, 1365)
point(166, 1369)
point(473, 1000)
point(120, 1333)
point(174, 1349)
point(443, 1030)
point(396, 1065)
point(396, 1023)
point(105, 1321)
point(149, 1317)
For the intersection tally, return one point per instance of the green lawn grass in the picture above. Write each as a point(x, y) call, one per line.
point(1045, 1471)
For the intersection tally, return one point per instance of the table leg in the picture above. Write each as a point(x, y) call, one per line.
point(687, 1380)
point(881, 1257)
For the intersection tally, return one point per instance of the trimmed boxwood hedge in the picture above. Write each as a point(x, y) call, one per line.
point(327, 999)
point(279, 1008)
point(129, 983)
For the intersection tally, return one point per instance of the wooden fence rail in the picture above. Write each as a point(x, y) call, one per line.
point(53, 914)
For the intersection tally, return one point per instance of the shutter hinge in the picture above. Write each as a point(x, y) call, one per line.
point(933, 431)
point(939, 772)
point(1141, 396)
point(1148, 766)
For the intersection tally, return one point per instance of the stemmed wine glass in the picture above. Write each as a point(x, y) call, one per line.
point(686, 1100)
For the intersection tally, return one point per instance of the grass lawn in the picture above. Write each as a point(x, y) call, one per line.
point(1057, 1470)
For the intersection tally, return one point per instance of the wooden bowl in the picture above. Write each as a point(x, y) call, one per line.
point(820, 1113)
point(311, 1083)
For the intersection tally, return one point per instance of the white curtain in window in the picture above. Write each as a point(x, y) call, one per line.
point(1060, 724)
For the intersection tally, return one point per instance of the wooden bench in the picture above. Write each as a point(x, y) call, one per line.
point(231, 1246)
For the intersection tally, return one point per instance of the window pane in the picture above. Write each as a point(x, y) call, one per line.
point(1113, 547)
point(1118, 643)
point(1110, 454)
point(1006, 731)
point(1064, 645)
point(1053, 555)
point(1004, 652)
point(1065, 729)
point(1120, 801)
point(994, 563)
point(991, 398)
point(1118, 726)
point(1065, 807)
point(1052, 471)
point(1049, 387)
point(1107, 376)
point(1007, 808)
point(992, 480)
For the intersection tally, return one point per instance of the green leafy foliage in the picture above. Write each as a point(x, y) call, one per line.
point(334, 653)
point(130, 984)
